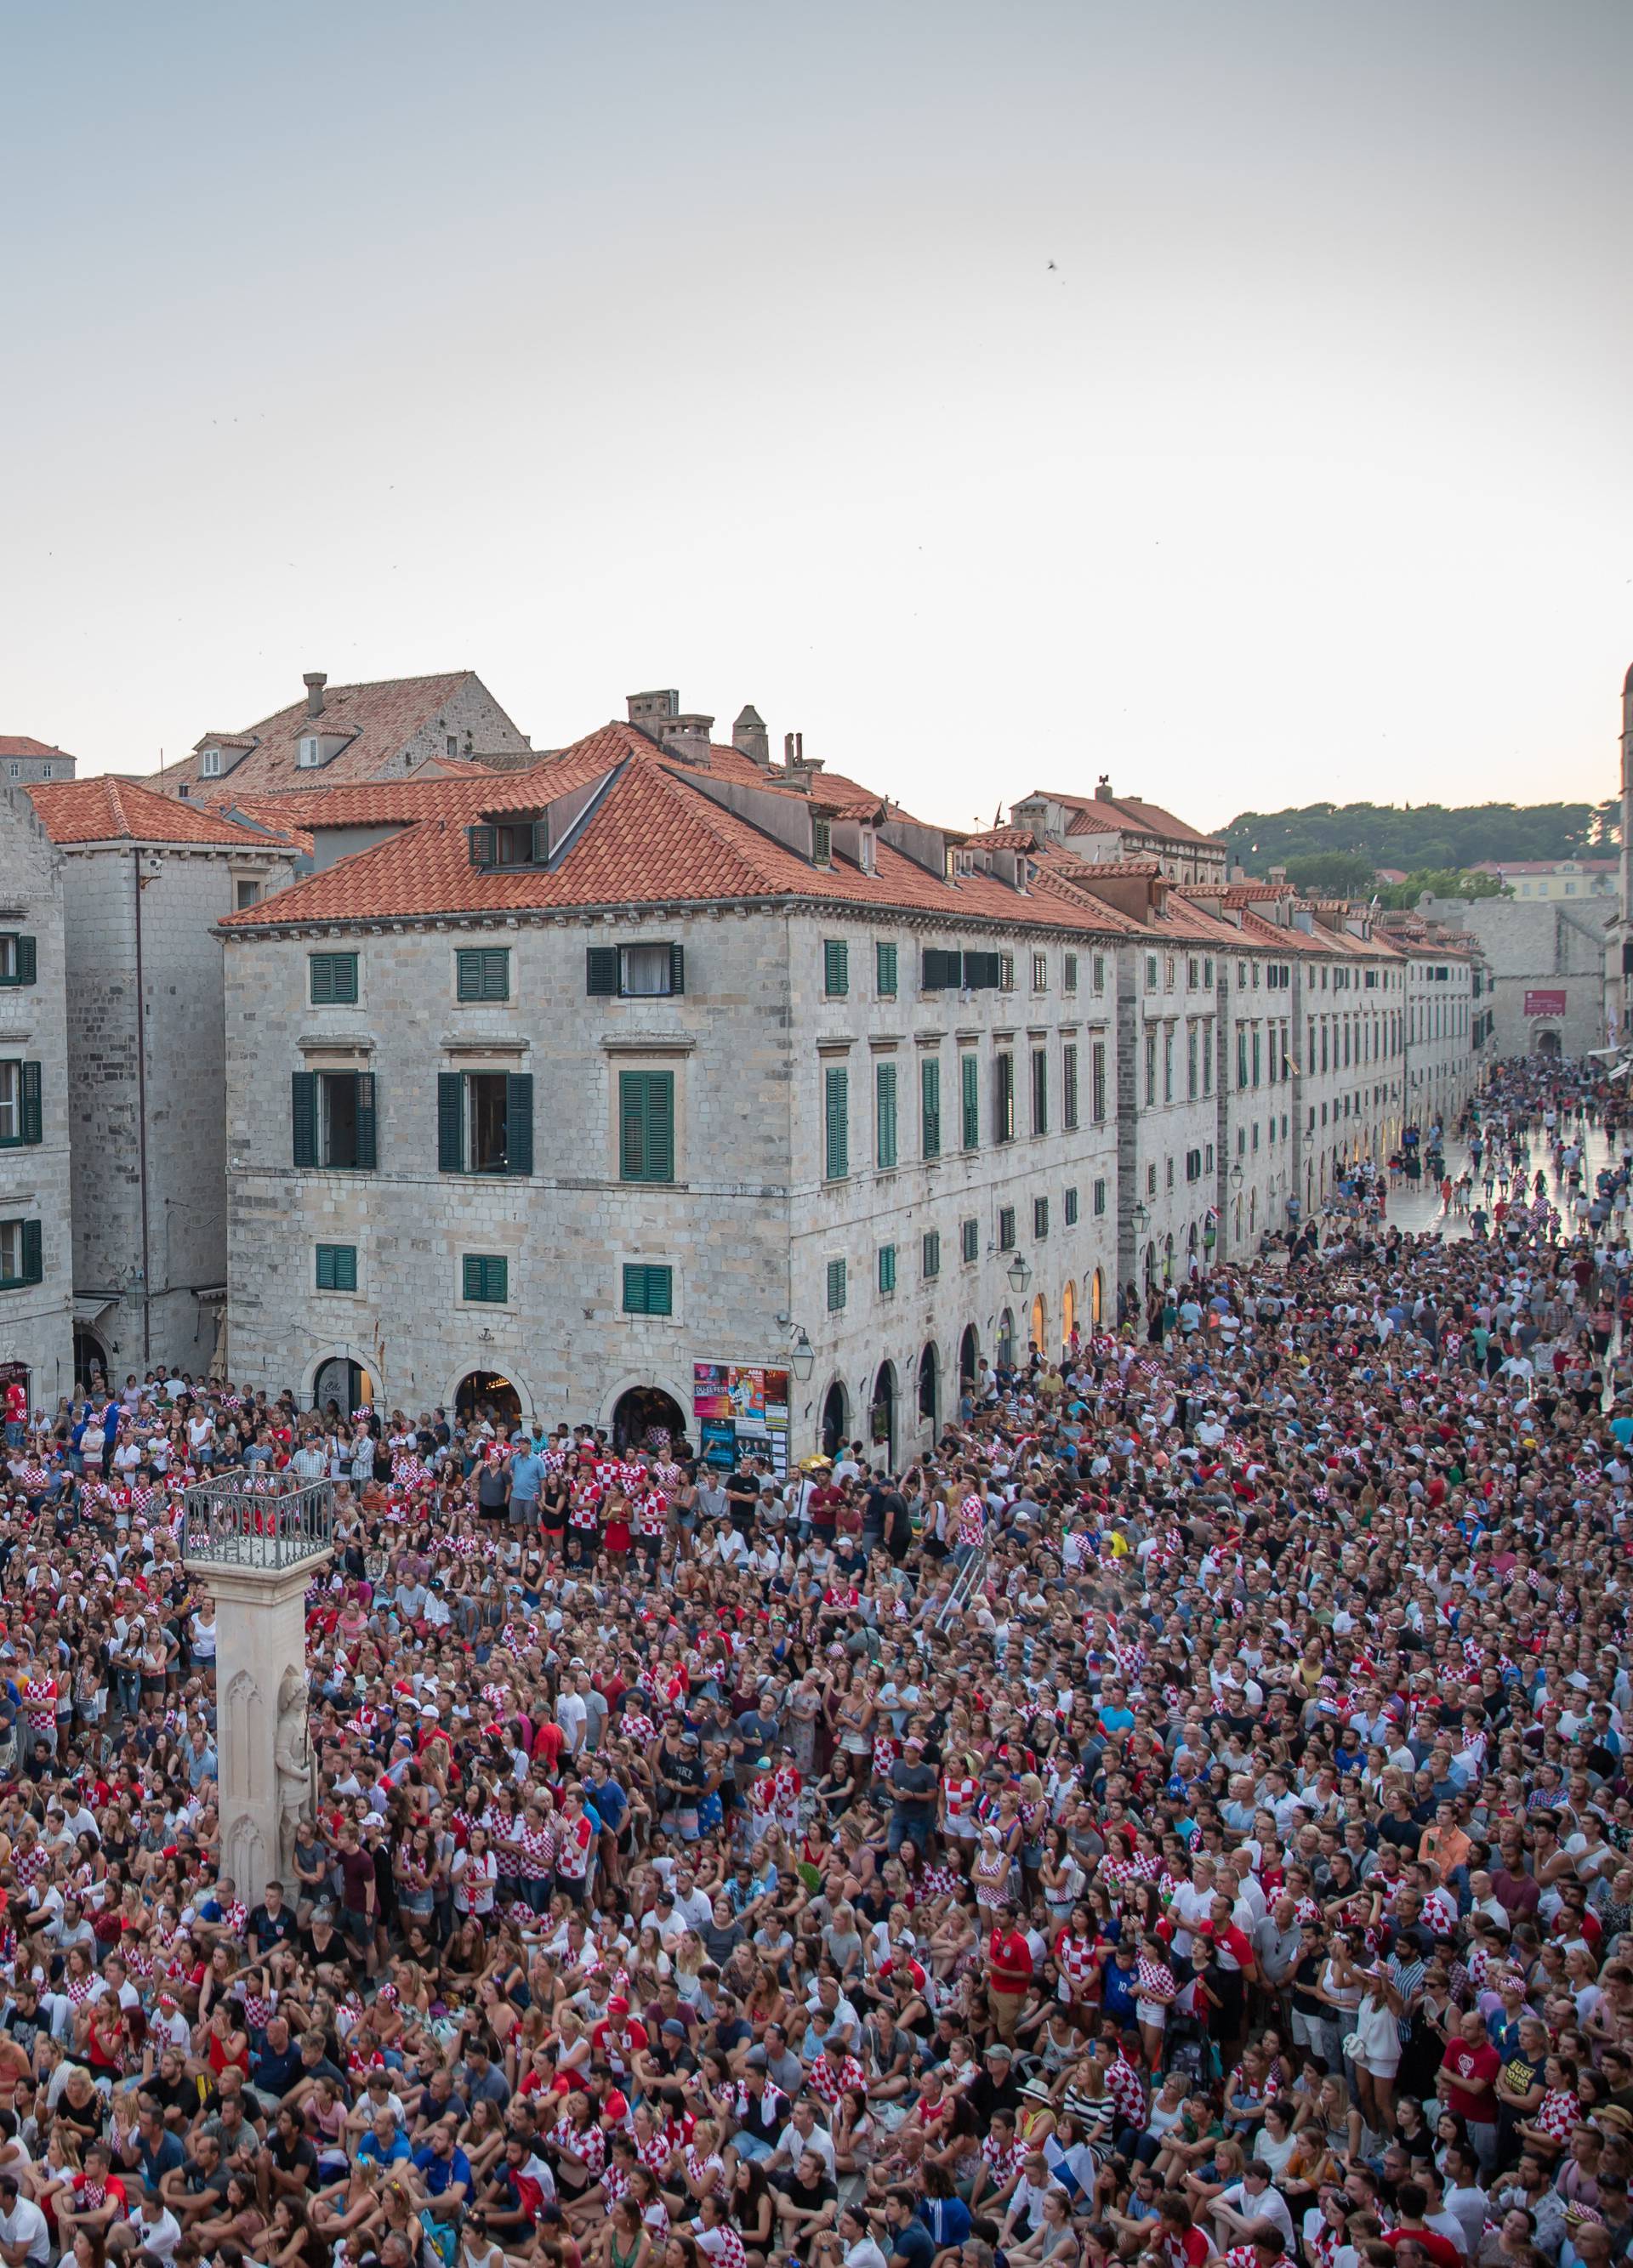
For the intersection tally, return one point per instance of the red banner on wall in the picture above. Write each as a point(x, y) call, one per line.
point(1545, 1004)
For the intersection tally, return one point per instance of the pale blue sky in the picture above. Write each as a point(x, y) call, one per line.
point(716, 347)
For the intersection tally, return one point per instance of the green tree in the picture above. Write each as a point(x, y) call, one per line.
point(1440, 882)
point(1331, 874)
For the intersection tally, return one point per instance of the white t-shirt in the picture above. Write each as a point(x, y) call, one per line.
point(25, 2224)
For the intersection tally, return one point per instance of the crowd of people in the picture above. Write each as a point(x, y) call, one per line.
point(1185, 1812)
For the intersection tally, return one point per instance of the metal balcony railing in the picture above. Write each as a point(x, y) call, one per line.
point(242, 1518)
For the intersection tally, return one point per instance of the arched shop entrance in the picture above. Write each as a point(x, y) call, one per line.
point(1069, 1311)
point(343, 1382)
point(835, 1422)
point(930, 1383)
point(485, 1393)
point(1006, 1338)
point(1097, 1297)
point(1546, 1044)
point(882, 1414)
point(969, 1355)
point(646, 1417)
point(90, 1359)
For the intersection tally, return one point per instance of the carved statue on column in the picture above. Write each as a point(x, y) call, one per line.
point(291, 1753)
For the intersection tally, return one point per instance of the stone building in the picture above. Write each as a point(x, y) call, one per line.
point(1544, 982)
point(144, 880)
point(392, 729)
point(1108, 828)
point(36, 1232)
point(24, 762)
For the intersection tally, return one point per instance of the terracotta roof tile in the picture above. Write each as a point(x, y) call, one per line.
point(110, 809)
point(379, 718)
point(18, 744)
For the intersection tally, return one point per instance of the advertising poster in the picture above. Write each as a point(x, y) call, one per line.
point(741, 1410)
point(1545, 1004)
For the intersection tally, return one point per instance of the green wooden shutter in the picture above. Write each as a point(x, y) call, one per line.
point(884, 1097)
point(601, 969)
point(835, 1285)
point(884, 971)
point(887, 1267)
point(320, 968)
point(472, 1272)
point(34, 1253)
point(367, 1138)
point(326, 1267)
point(934, 970)
point(33, 1115)
point(836, 967)
point(648, 1291)
point(303, 1118)
point(27, 961)
point(483, 845)
point(634, 1290)
point(646, 1125)
point(450, 1121)
point(930, 1104)
point(836, 1125)
point(678, 969)
point(519, 1123)
point(970, 1075)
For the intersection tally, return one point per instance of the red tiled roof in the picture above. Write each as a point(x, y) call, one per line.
point(1106, 814)
point(18, 744)
point(1510, 865)
point(654, 837)
point(110, 809)
point(1000, 838)
point(379, 717)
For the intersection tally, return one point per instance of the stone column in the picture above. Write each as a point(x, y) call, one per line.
point(262, 1740)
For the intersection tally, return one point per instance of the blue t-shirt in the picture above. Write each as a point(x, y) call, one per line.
point(526, 1475)
point(438, 2171)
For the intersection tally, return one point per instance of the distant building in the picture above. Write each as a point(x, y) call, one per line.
point(1550, 878)
point(23, 761)
point(1106, 828)
point(341, 734)
point(1546, 962)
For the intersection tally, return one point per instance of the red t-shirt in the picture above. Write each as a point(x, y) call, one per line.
point(1463, 2061)
point(1439, 2248)
point(1009, 1959)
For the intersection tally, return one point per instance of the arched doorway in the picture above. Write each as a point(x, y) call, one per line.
point(1040, 1326)
point(1096, 1298)
point(1191, 1261)
point(1150, 1264)
point(1006, 1338)
point(485, 1393)
point(646, 1417)
point(882, 1414)
point(1069, 1311)
point(343, 1382)
point(1168, 1257)
point(1252, 1212)
point(835, 1420)
point(930, 1383)
point(969, 1355)
point(90, 1359)
point(1546, 1044)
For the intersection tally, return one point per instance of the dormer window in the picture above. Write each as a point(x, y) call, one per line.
point(507, 845)
point(308, 754)
point(822, 842)
point(868, 856)
point(209, 764)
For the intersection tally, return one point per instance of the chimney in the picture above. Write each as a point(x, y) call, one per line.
point(1275, 873)
point(1238, 872)
point(1103, 788)
point(749, 737)
point(652, 711)
point(687, 736)
point(314, 681)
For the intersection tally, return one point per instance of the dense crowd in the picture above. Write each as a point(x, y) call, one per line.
point(1185, 1812)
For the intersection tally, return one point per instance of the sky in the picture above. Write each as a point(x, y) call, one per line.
point(1231, 400)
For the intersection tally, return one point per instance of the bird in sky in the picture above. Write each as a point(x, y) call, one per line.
point(1052, 263)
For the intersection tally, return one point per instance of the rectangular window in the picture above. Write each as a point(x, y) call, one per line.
point(1241, 1056)
point(1068, 973)
point(1041, 1217)
point(885, 1113)
point(884, 971)
point(1207, 972)
point(970, 1240)
point(334, 1120)
point(836, 967)
point(930, 1105)
point(1189, 1063)
point(1070, 1214)
point(932, 1252)
point(482, 973)
point(22, 1254)
point(887, 1268)
point(836, 1286)
point(245, 894)
point(1168, 1063)
point(1040, 972)
point(1068, 1087)
point(645, 1126)
point(822, 841)
point(334, 978)
point(509, 843)
point(1003, 1101)
point(648, 1290)
point(635, 972)
point(1006, 972)
point(337, 1267)
point(1150, 1067)
point(1005, 1228)
point(1099, 1199)
point(1097, 1083)
point(969, 1095)
point(836, 1148)
point(487, 1277)
point(1257, 1063)
point(1040, 1090)
point(22, 1118)
point(1097, 971)
point(18, 960)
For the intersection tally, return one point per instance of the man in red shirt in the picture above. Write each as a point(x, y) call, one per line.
point(1412, 2201)
point(1009, 1972)
point(1467, 2084)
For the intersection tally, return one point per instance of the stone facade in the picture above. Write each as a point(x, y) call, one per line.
point(1545, 953)
point(36, 1232)
point(146, 1048)
point(23, 761)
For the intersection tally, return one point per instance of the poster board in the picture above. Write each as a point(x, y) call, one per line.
point(1545, 1004)
point(741, 1410)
